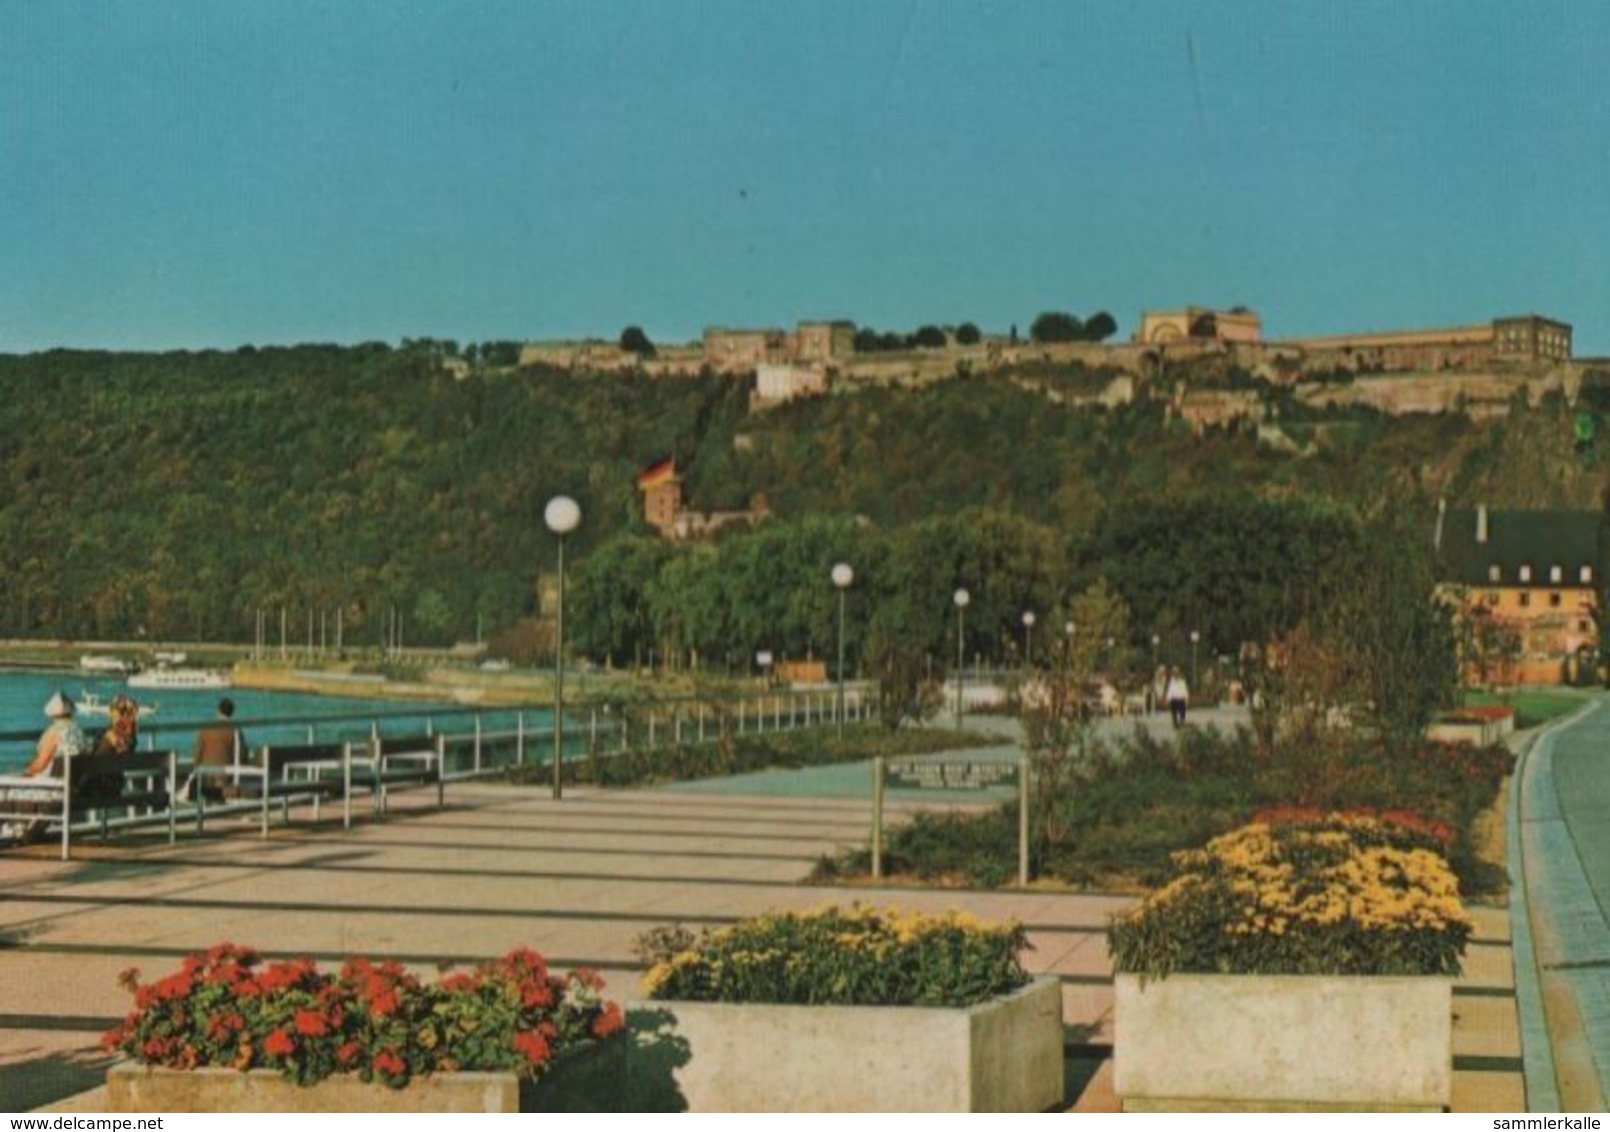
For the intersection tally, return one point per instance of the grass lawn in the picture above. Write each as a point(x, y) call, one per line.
point(1533, 706)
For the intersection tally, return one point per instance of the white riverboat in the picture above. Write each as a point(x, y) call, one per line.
point(106, 665)
point(88, 703)
point(196, 679)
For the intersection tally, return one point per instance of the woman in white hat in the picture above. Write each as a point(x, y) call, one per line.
point(61, 740)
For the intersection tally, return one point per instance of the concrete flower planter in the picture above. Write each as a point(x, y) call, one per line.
point(586, 1080)
point(1283, 1043)
point(1004, 1055)
point(144, 1088)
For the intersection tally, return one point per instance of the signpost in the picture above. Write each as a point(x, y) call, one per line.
point(944, 775)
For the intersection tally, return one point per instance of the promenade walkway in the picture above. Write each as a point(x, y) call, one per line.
point(578, 880)
point(1560, 854)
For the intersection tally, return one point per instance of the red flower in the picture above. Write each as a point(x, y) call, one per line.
point(279, 1044)
point(311, 1024)
point(389, 1063)
point(223, 1025)
point(175, 986)
point(608, 1022)
point(347, 1052)
point(533, 1045)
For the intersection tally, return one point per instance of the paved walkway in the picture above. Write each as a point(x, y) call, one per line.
point(1560, 852)
point(577, 879)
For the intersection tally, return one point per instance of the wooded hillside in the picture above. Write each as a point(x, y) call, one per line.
point(172, 495)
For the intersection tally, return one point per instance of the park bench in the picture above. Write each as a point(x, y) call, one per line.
point(405, 760)
point(309, 772)
point(98, 785)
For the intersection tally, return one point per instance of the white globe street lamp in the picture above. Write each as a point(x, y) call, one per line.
point(1028, 638)
point(961, 598)
point(842, 577)
point(1156, 693)
point(562, 515)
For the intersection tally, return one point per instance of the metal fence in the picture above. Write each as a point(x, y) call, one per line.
point(482, 741)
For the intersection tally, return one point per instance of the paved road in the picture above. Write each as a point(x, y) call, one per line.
point(1564, 846)
point(578, 880)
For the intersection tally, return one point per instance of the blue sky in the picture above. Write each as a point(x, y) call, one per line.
point(183, 175)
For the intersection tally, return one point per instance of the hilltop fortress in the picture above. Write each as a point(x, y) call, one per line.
point(1477, 369)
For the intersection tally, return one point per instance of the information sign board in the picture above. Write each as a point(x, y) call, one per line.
point(972, 775)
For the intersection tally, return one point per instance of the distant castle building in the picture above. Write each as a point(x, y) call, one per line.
point(1527, 339)
point(741, 351)
point(663, 507)
point(1198, 324)
point(1530, 339)
point(662, 494)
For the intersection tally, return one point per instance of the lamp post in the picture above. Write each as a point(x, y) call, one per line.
point(1028, 638)
point(562, 515)
point(1195, 637)
point(1153, 692)
point(842, 577)
point(1067, 652)
point(961, 599)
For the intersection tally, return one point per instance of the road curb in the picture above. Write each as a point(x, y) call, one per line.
point(1537, 1055)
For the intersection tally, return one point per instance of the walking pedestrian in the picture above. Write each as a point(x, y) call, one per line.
point(1178, 695)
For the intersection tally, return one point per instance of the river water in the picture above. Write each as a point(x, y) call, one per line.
point(262, 715)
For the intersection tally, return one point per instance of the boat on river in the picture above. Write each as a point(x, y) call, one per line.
point(193, 679)
point(88, 703)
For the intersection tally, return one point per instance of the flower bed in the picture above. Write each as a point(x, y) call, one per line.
point(373, 1022)
point(1292, 964)
point(857, 1010)
point(1339, 895)
point(859, 957)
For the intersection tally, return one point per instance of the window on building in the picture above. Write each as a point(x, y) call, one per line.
point(1586, 575)
point(1582, 626)
point(1525, 598)
point(1556, 574)
point(1554, 601)
point(1526, 573)
point(1494, 574)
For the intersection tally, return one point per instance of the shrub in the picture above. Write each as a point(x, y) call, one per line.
point(855, 957)
point(227, 1009)
point(1339, 895)
point(739, 754)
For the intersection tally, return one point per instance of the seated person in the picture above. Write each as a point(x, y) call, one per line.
point(216, 745)
point(59, 742)
point(123, 733)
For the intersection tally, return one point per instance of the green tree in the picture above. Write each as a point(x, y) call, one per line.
point(1100, 641)
point(967, 334)
point(634, 341)
point(608, 604)
point(1100, 327)
point(1056, 326)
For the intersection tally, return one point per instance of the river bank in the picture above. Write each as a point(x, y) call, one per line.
point(439, 676)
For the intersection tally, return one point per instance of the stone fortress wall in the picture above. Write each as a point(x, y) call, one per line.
point(1476, 369)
